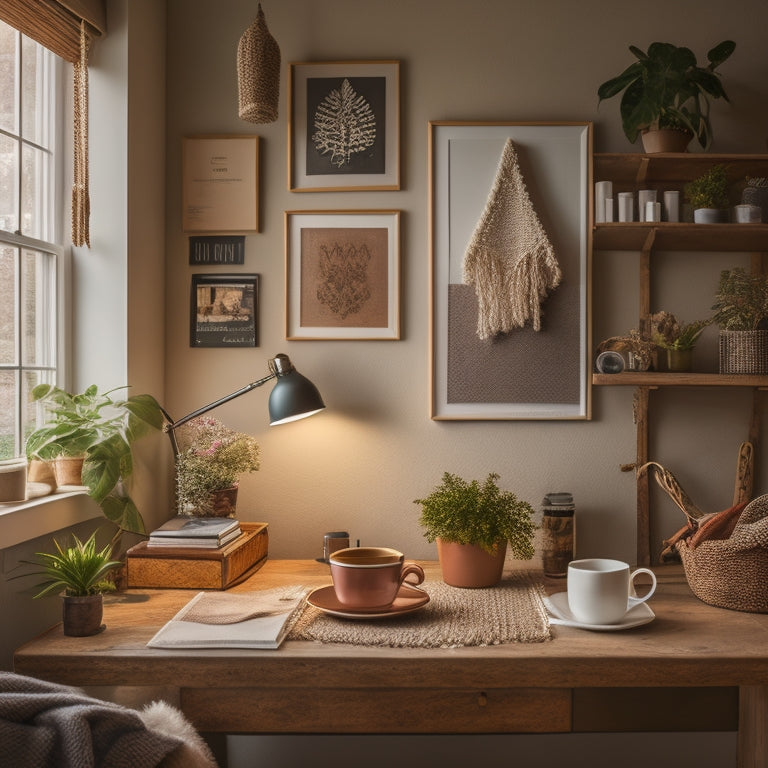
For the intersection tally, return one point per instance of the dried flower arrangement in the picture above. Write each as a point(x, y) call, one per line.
point(211, 458)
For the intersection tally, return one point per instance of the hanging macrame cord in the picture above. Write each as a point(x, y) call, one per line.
point(81, 204)
point(509, 259)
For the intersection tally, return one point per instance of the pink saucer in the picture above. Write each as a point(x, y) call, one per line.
point(408, 599)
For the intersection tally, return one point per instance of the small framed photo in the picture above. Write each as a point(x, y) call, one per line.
point(344, 120)
point(220, 184)
point(224, 311)
point(343, 274)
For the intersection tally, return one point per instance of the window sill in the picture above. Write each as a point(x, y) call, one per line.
point(26, 520)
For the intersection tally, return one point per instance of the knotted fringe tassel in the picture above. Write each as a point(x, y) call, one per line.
point(509, 259)
point(81, 203)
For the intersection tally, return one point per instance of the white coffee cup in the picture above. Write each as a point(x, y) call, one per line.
point(599, 590)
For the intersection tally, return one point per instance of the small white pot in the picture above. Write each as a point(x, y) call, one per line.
point(710, 216)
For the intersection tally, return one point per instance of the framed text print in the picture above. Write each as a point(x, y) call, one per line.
point(343, 274)
point(344, 120)
point(510, 267)
point(220, 184)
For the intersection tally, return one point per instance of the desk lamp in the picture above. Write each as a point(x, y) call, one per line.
point(293, 397)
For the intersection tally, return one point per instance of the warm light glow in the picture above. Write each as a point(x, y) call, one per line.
point(295, 418)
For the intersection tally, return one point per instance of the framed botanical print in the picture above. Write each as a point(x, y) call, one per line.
point(344, 120)
point(343, 274)
point(510, 262)
point(224, 311)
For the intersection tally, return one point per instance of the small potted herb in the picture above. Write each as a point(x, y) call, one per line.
point(708, 195)
point(79, 572)
point(472, 523)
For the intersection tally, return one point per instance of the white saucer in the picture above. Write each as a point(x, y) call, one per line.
point(408, 599)
point(560, 613)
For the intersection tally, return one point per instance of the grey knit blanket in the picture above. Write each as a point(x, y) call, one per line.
point(43, 725)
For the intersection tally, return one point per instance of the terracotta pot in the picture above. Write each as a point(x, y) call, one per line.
point(470, 566)
point(40, 471)
point(68, 470)
point(666, 140)
point(82, 615)
point(222, 503)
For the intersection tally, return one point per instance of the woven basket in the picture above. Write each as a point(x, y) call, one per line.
point(744, 352)
point(724, 554)
point(258, 73)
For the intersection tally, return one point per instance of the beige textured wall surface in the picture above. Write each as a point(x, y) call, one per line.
point(360, 465)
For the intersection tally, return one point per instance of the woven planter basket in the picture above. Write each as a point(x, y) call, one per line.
point(744, 352)
point(724, 554)
point(258, 73)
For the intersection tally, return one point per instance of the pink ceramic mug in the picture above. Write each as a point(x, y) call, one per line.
point(368, 578)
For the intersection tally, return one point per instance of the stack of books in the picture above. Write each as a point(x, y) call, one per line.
point(195, 532)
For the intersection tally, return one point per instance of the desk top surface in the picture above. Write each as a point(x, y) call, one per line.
point(688, 644)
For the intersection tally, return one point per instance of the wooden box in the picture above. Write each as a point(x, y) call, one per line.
point(185, 568)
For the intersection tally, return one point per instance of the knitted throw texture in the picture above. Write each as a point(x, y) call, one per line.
point(509, 259)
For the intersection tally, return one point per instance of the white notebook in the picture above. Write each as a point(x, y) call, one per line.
point(233, 620)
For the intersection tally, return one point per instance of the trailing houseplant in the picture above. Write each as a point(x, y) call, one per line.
point(100, 430)
point(79, 571)
point(666, 89)
point(211, 459)
point(709, 192)
point(741, 312)
point(477, 520)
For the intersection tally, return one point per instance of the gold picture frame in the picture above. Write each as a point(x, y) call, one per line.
point(343, 275)
point(322, 159)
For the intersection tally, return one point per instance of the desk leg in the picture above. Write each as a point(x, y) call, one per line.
point(753, 726)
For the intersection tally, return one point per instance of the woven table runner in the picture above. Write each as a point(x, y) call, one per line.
point(512, 612)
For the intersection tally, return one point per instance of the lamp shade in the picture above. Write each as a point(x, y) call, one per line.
point(293, 397)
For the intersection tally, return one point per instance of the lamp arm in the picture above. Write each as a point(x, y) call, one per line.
point(172, 425)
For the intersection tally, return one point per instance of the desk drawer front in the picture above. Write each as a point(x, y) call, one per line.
point(390, 710)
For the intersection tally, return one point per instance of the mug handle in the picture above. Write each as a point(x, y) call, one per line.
point(633, 601)
point(411, 569)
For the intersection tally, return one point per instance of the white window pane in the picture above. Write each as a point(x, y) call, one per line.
point(38, 310)
point(9, 59)
point(31, 413)
point(9, 183)
point(36, 84)
point(36, 182)
point(9, 441)
point(9, 338)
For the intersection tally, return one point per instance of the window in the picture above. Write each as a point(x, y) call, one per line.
point(31, 255)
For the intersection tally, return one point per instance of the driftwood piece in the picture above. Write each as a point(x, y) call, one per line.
point(669, 483)
point(745, 474)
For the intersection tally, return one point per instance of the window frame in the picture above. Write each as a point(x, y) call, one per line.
point(61, 103)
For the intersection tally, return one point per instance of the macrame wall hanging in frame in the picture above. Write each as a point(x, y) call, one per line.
point(488, 360)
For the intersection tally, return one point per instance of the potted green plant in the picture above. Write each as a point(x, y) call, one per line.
point(666, 95)
point(95, 431)
point(79, 571)
point(210, 461)
point(741, 312)
point(472, 524)
point(708, 194)
point(678, 339)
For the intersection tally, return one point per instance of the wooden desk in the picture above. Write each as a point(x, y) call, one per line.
point(516, 688)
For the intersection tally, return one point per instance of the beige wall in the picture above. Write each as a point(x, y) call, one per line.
point(360, 465)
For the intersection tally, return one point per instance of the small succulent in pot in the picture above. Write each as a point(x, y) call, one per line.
point(710, 190)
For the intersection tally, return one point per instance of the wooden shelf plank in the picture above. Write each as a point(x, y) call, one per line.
point(620, 236)
point(659, 379)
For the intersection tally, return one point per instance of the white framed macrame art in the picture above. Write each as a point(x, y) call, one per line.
point(510, 266)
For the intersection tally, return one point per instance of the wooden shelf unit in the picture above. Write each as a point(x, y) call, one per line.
point(631, 172)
